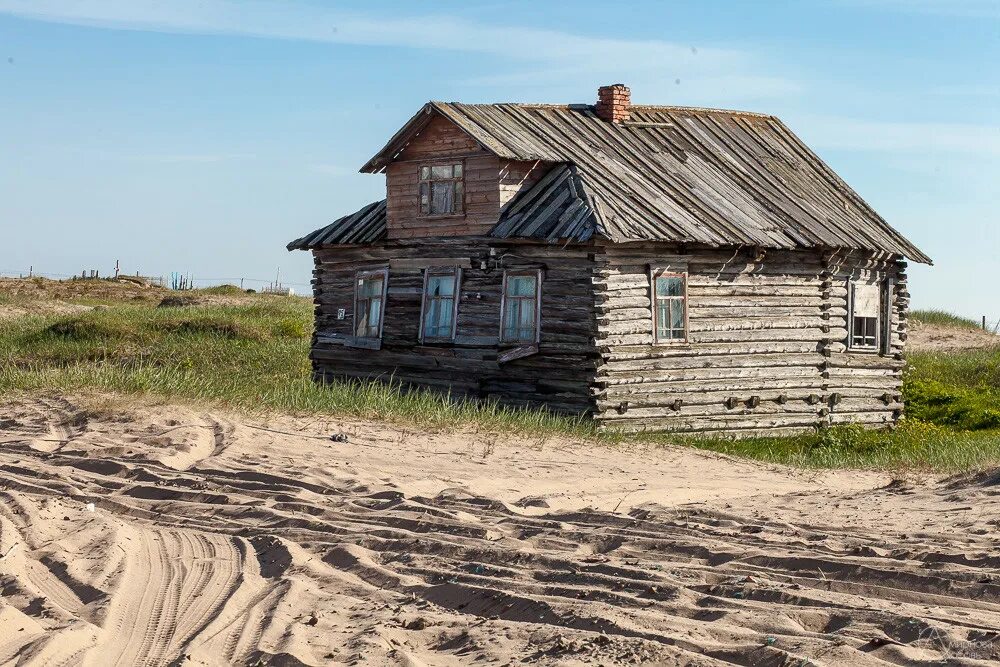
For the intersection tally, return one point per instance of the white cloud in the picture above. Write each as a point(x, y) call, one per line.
point(546, 53)
point(260, 18)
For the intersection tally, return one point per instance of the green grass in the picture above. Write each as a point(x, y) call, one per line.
point(914, 446)
point(248, 356)
point(943, 318)
point(956, 389)
point(254, 356)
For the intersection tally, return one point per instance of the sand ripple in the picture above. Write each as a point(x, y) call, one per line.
point(214, 541)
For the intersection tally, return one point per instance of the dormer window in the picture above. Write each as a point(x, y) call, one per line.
point(442, 190)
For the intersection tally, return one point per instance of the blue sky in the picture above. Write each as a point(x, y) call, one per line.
point(203, 135)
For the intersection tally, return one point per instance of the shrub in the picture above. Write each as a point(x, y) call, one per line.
point(88, 328)
point(230, 290)
point(177, 301)
point(291, 328)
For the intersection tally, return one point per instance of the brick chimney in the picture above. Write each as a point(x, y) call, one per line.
point(613, 102)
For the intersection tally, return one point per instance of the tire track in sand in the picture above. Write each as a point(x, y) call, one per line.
point(173, 582)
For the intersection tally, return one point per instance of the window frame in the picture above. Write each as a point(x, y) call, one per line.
point(382, 273)
point(663, 272)
point(456, 274)
point(516, 273)
point(458, 201)
point(878, 346)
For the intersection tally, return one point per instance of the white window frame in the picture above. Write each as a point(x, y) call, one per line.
point(664, 272)
point(513, 273)
point(877, 346)
point(458, 203)
point(456, 274)
point(358, 278)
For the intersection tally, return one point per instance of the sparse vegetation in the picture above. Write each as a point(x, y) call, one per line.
point(943, 318)
point(248, 356)
point(253, 354)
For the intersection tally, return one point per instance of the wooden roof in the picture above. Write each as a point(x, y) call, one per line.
point(360, 227)
point(679, 174)
point(557, 207)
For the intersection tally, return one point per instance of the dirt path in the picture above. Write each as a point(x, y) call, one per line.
point(217, 540)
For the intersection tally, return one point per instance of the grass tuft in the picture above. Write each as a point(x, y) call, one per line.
point(943, 318)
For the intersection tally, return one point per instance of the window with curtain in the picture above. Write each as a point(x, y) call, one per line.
point(440, 307)
point(520, 315)
point(442, 189)
point(669, 307)
point(369, 303)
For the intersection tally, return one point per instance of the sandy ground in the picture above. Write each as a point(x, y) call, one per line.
point(165, 535)
point(938, 338)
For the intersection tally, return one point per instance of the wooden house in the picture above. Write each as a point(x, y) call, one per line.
point(654, 267)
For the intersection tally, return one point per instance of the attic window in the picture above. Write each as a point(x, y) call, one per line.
point(442, 189)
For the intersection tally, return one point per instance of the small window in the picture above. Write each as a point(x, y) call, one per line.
point(440, 306)
point(520, 314)
point(442, 190)
point(865, 332)
point(864, 316)
point(669, 307)
point(369, 303)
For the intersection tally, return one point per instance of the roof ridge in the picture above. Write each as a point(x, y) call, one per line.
point(583, 105)
point(534, 105)
point(675, 107)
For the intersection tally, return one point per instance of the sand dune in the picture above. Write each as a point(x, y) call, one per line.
point(215, 539)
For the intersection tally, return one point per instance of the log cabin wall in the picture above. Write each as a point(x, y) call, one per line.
point(766, 347)
point(559, 376)
point(869, 384)
point(441, 142)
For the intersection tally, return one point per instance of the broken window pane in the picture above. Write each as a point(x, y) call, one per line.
point(866, 299)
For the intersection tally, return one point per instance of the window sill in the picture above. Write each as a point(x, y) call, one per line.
point(672, 343)
point(519, 352)
point(438, 341)
point(442, 216)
